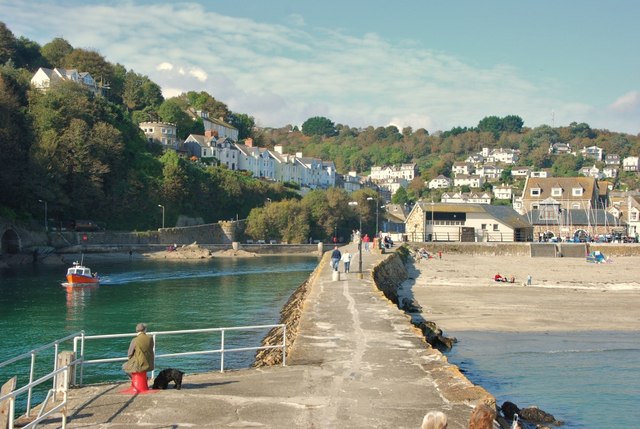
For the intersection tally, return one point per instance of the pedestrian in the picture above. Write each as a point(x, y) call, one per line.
point(434, 420)
point(439, 254)
point(482, 417)
point(366, 240)
point(346, 259)
point(529, 280)
point(335, 258)
point(140, 352)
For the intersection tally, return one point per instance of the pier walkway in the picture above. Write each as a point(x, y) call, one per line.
point(357, 363)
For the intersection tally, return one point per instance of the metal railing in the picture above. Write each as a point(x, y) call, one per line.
point(32, 367)
point(79, 345)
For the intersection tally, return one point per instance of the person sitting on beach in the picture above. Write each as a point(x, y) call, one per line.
point(497, 277)
point(512, 279)
point(482, 417)
point(434, 420)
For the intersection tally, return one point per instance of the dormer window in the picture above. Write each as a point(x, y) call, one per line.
point(577, 192)
point(535, 192)
point(556, 192)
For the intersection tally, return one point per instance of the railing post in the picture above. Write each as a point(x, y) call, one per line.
point(222, 351)
point(31, 372)
point(284, 345)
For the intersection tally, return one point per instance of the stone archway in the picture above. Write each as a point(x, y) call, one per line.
point(10, 242)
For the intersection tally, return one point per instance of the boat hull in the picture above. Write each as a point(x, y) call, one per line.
point(75, 279)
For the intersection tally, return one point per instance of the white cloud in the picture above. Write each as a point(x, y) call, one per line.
point(164, 66)
point(285, 74)
point(628, 102)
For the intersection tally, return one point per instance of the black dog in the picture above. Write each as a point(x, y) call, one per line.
point(167, 375)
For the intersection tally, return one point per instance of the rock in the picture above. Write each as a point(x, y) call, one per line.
point(536, 415)
point(410, 305)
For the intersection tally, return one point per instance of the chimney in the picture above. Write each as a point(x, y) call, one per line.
point(248, 142)
point(209, 133)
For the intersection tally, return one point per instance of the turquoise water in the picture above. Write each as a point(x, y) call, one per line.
point(587, 379)
point(167, 295)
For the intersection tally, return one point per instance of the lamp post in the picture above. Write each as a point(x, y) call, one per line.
point(355, 203)
point(162, 207)
point(377, 204)
point(46, 222)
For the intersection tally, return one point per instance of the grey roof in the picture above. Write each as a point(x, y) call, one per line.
point(574, 217)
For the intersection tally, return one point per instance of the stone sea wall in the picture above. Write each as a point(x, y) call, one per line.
point(388, 277)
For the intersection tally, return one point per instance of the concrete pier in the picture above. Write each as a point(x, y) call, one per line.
point(357, 362)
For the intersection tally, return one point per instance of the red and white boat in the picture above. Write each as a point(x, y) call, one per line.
point(79, 275)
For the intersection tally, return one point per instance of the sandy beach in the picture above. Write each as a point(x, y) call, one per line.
point(567, 294)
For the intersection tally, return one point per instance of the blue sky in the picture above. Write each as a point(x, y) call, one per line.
point(419, 63)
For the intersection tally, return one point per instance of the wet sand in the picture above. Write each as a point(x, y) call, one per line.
point(567, 294)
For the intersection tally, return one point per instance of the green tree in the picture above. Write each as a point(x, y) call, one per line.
point(7, 44)
point(55, 51)
point(491, 124)
point(319, 126)
point(244, 123)
point(171, 111)
point(512, 124)
point(400, 196)
point(15, 140)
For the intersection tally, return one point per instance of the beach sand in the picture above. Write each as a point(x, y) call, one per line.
point(567, 294)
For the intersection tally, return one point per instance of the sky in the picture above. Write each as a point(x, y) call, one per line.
point(419, 63)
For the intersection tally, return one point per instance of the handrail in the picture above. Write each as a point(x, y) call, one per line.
point(79, 345)
point(32, 354)
point(43, 414)
point(79, 340)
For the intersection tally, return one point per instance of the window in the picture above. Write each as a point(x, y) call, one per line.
point(633, 216)
point(535, 192)
point(483, 227)
point(495, 227)
point(556, 192)
point(577, 192)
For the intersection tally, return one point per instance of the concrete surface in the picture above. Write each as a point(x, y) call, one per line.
point(356, 363)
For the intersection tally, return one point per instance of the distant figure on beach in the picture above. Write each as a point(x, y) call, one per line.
point(497, 277)
point(482, 417)
point(346, 259)
point(434, 420)
point(529, 280)
point(140, 352)
point(335, 258)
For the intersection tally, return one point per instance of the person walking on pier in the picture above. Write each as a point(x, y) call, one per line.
point(335, 258)
point(346, 259)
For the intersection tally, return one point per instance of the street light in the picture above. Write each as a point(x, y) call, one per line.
point(161, 206)
point(355, 203)
point(377, 204)
point(46, 222)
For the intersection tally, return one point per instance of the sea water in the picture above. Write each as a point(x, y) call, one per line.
point(587, 379)
point(167, 295)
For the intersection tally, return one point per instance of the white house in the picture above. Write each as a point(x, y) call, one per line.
point(45, 78)
point(612, 159)
point(440, 182)
point(472, 181)
point(631, 163)
point(506, 156)
point(489, 171)
point(216, 127)
point(520, 172)
point(502, 192)
point(404, 171)
point(466, 197)
point(610, 171)
point(592, 152)
point(256, 160)
point(592, 171)
point(462, 168)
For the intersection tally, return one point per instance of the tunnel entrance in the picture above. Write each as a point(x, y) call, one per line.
point(10, 242)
